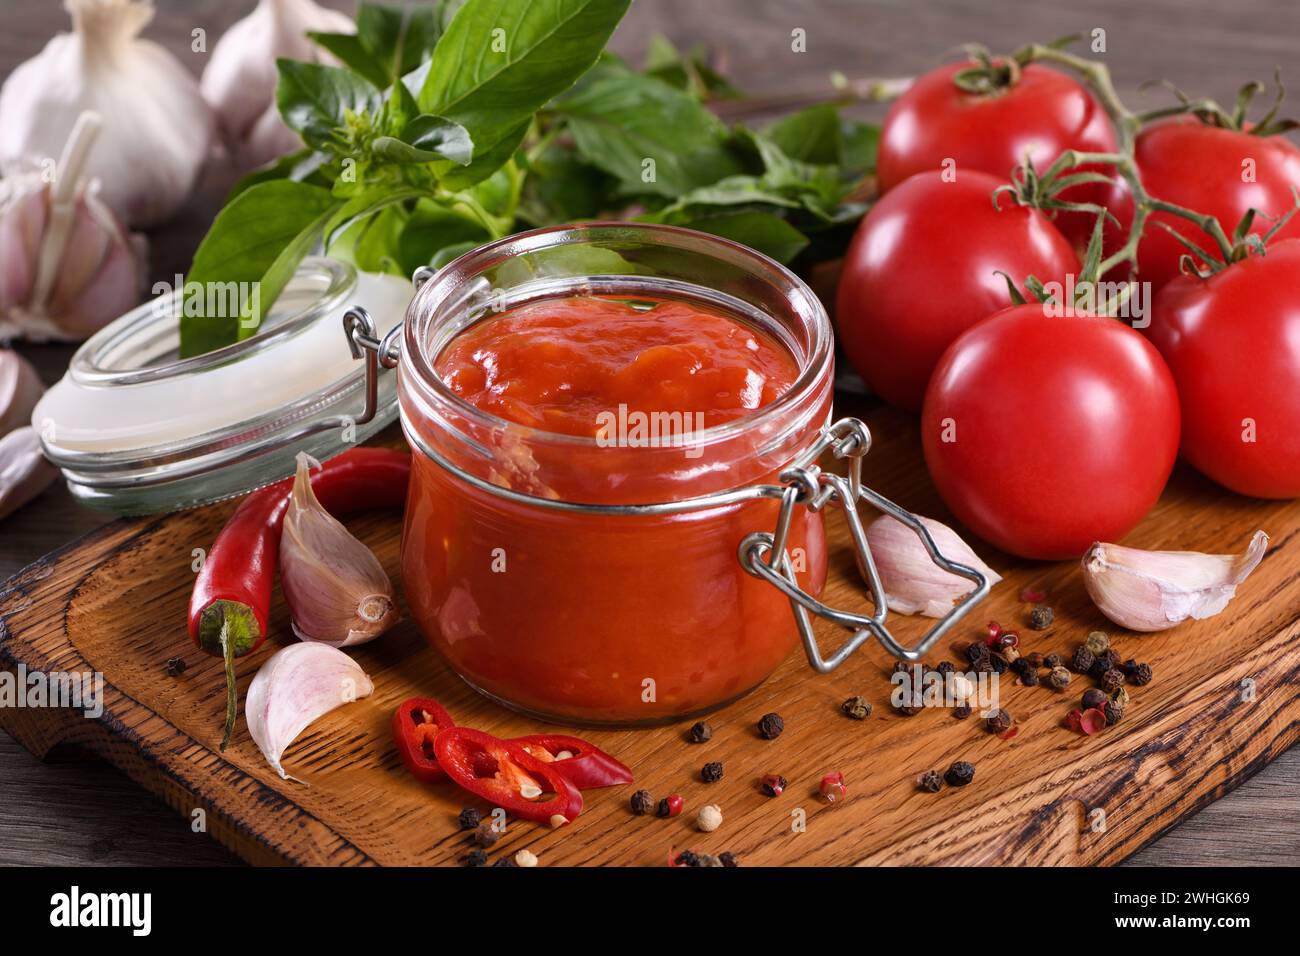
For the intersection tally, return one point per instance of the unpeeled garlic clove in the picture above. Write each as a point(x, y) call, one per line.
point(20, 389)
point(337, 591)
point(1154, 590)
point(24, 472)
point(296, 686)
point(913, 583)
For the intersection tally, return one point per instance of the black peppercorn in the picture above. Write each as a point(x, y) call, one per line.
point(770, 726)
point(1040, 618)
point(901, 667)
point(1022, 666)
point(1137, 674)
point(945, 668)
point(663, 808)
point(1092, 697)
point(859, 708)
point(711, 772)
point(1053, 660)
point(728, 859)
point(982, 666)
point(504, 861)
point(1113, 712)
point(998, 722)
point(699, 732)
point(1112, 658)
point(930, 781)
point(1099, 667)
point(476, 858)
point(907, 710)
point(999, 663)
point(485, 835)
point(959, 774)
point(642, 803)
point(686, 858)
point(174, 667)
point(1030, 679)
point(708, 859)
point(977, 651)
point(1082, 660)
point(1035, 659)
point(1059, 678)
point(1112, 680)
point(961, 711)
point(469, 818)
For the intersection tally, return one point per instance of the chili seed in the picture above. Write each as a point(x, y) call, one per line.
point(959, 774)
point(1092, 697)
point(711, 772)
point(998, 722)
point(770, 726)
point(773, 784)
point(642, 803)
point(1138, 674)
point(1041, 617)
point(699, 732)
point(930, 781)
point(859, 708)
point(1059, 678)
point(485, 836)
point(1112, 680)
point(476, 858)
point(469, 818)
point(1098, 643)
point(1082, 660)
point(669, 806)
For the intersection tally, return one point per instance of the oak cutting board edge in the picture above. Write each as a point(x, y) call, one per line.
point(164, 761)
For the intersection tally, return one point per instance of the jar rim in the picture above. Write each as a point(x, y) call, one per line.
point(461, 272)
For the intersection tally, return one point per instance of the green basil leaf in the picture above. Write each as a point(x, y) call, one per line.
point(431, 230)
point(258, 239)
point(301, 166)
point(499, 61)
point(858, 144)
point(650, 136)
point(811, 135)
point(400, 39)
point(316, 100)
point(364, 205)
point(348, 49)
point(770, 235)
point(427, 139)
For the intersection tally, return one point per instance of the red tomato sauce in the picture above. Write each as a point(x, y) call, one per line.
point(598, 617)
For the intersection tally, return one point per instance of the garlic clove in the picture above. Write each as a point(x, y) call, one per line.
point(296, 686)
point(149, 158)
point(20, 389)
point(913, 583)
point(337, 591)
point(24, 472)
point(240, 78)
point(1154, 590)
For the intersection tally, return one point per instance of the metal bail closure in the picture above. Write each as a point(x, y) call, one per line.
point(806, 485)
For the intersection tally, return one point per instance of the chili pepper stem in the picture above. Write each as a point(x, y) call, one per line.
point(228, 655)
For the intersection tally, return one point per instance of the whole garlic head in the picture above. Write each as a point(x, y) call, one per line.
point(67, 265)
point(240, 78)
point(148, 159)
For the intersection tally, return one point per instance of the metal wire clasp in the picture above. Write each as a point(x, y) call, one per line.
point(765, 556)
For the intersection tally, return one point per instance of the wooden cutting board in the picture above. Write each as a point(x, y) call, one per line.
point(1223, 703)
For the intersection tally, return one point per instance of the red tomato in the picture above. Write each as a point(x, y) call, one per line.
point(1046, 434)
point(1203, 168)
point(1044, 113)
point(1233, 344)
point(923, 267)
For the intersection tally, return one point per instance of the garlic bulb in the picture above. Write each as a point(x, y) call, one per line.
point(913, 583)
point(336, 588)
point(149, 157)
point(20, 389)
point(296, 686)
point(67, 265)
point(239, 80)
point(1154, 590)
point(24, 472)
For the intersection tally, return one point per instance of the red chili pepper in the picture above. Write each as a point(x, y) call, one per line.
point(416, 724)
point(232, 593)
point(517, 774)
point(587, 766)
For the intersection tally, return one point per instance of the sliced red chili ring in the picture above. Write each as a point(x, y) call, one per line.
point(586, 766)
point(515, 775)
point(416, 725)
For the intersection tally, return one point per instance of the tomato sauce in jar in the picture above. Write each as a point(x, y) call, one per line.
point(552, 553)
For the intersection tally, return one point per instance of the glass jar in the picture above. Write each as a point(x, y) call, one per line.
point(597, 583)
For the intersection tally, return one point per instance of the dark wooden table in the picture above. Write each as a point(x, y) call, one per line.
point(73, 810)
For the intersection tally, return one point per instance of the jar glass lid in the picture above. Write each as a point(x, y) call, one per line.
point(136, 429)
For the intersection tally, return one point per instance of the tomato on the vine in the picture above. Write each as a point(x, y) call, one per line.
point(1210, 170)
point(923, 267)
point(1044, 434)
point(1040, 112)
point(1232, 342)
